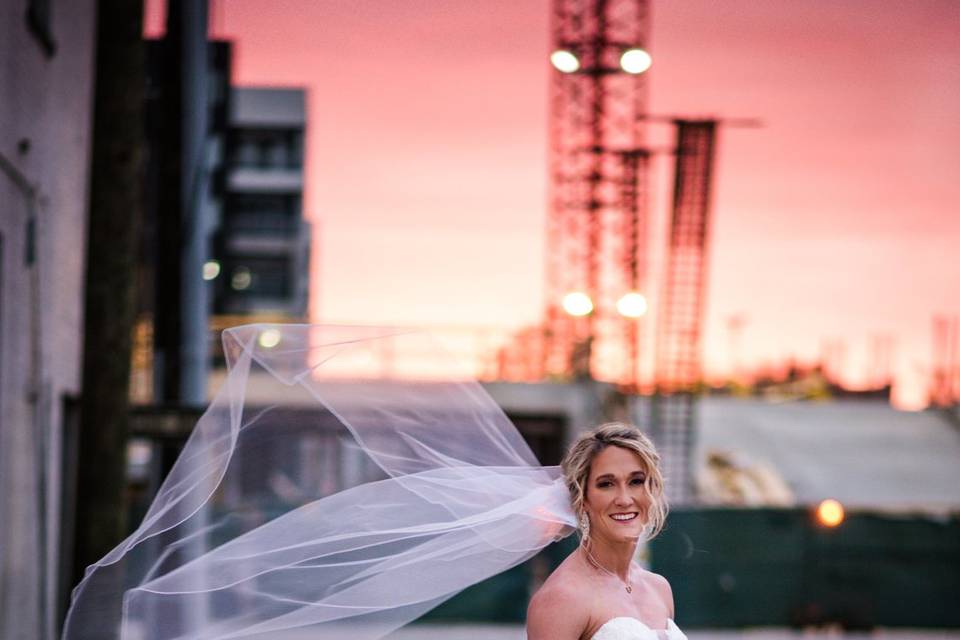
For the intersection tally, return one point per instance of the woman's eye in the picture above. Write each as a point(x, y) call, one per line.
point(603, 484)
point(638, 481)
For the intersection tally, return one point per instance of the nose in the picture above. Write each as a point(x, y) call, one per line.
point(623, 497)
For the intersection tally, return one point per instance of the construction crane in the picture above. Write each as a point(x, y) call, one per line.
point(596, 229)
point(678, 360)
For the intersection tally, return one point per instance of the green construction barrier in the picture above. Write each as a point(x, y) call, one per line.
point(779, 567)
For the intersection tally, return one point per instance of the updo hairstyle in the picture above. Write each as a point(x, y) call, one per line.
point(576, 469)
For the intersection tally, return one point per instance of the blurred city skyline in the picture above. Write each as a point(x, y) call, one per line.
point(426, 164)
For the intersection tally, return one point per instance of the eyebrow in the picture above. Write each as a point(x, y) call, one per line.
point(610, 475)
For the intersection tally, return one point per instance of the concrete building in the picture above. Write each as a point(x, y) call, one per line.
point(263, 245)
point(45, 136)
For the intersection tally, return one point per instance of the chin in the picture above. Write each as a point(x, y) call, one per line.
point(630, 536)
point(627, 535)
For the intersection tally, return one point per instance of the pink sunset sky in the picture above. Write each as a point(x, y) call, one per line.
point(427, 149)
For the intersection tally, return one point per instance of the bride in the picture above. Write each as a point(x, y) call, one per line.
point(435, 490)
point(599, 592)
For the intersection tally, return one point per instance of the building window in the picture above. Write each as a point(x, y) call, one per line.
point(269, 203)
point(263, 214)
point(39, 22)
point(268, 148)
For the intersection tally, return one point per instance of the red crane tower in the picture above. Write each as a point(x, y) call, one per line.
point(678, 362)
point(598, 178)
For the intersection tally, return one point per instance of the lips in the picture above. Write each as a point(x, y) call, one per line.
point(624, 517)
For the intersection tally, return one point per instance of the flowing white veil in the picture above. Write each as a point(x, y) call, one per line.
point(322, 496)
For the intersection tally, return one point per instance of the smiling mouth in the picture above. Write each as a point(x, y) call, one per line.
point(623, 517)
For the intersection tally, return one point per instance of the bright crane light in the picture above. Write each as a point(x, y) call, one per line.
point(632, 305)
point(565, 61)
point(635, 61)
point(577, 303)
point(269, 338)
point(830, 513)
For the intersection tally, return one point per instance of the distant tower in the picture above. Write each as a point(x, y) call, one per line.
point(596, 231)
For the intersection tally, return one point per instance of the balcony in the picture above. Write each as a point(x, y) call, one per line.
point(265, 180)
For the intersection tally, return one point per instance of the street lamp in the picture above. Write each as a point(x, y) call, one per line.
point(635, 61)
point(577, 303)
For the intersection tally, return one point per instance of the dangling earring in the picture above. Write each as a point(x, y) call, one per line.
point(584, 525)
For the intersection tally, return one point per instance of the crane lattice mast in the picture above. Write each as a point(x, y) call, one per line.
point(678, 359)
point(596, 231)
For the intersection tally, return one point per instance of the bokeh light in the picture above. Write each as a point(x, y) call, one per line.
point(211, 269)
point(269, 338)
point(565, 61)
point(830, 513)
point(632, 305)
point(635, 61)
point(241, 279)
point(577, 303)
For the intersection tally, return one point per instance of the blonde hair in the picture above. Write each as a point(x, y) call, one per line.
point(576, 468)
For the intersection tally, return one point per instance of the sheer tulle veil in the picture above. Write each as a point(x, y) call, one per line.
point(324, 494)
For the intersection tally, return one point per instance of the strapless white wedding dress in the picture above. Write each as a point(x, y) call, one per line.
point(624, 628)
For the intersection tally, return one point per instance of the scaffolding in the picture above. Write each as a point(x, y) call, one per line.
point(678, 360)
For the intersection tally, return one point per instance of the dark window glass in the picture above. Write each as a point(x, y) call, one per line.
point(268, 148)
point(263, 213)
point(267, 277)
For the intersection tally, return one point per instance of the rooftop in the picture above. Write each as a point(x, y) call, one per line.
point(268, 107)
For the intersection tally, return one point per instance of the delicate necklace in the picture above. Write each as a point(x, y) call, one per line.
point(596, 563)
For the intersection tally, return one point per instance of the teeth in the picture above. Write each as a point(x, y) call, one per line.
point(624, 516)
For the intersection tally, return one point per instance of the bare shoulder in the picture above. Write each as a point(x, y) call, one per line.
point(662, 587)
point(558, 610)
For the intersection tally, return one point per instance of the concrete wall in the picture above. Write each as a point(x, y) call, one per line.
point(45, 115)
point(862, 453)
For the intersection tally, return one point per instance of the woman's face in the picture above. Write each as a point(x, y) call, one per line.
point(617, 502)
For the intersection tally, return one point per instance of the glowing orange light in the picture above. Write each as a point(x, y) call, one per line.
point(830, 513)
